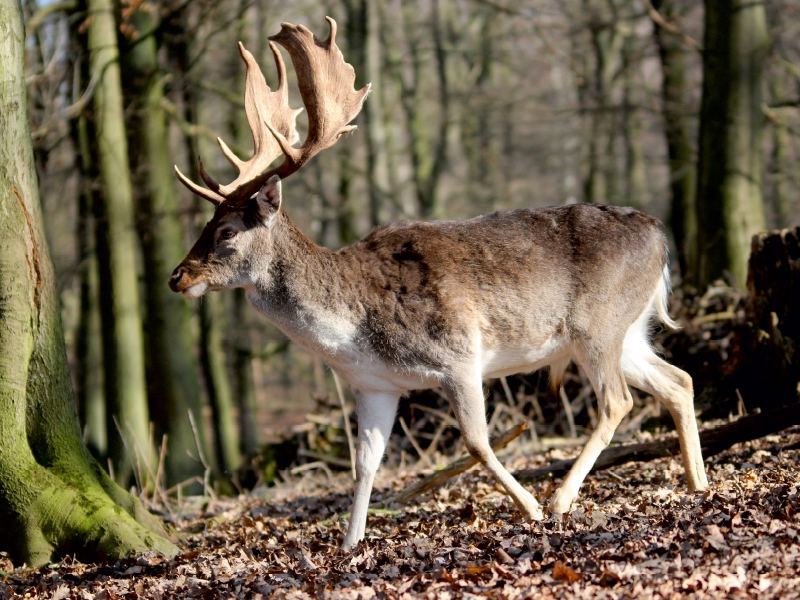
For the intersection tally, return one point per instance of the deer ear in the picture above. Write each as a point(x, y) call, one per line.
point(268, 199)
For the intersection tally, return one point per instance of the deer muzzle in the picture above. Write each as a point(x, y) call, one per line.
point(184, 282)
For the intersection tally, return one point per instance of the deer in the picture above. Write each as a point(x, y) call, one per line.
point(419, 305)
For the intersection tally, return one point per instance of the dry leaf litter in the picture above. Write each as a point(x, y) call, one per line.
point(633, 533)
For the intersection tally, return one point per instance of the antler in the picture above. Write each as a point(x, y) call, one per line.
point(326, 87)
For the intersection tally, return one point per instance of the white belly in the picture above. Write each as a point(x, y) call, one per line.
point(499, 362)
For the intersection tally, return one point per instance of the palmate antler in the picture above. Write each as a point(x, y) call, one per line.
point(326, 87)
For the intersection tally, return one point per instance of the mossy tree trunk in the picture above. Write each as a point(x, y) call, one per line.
point(126, 391)
point(172, 370)
point(730, 159)
point(54, 498)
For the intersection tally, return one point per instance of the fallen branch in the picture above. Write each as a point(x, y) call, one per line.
point(436, 479)
point(713, 442)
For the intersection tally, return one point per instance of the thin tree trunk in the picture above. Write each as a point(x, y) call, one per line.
point(126, 390)
point(635, 168)
point(428, 157)
point(244, 383)
point(243, 368)
point(781, 163)
point(88, 340)
point(729, 206)
point(54, 498)
point(680, 147)
point(374, 130)
point(218, 386)
point(600, 184)
point(172, 371)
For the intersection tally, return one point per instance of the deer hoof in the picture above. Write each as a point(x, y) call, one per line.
point(558, 505)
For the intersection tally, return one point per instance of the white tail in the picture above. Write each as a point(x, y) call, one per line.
point(661, 299)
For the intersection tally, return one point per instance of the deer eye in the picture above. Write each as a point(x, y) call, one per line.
point(227, 235)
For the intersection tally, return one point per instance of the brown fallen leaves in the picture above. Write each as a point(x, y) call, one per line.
point(633, 533)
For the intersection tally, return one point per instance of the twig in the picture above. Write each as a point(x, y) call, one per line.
point(457, 467)
point(223, 93)
point(162, 459)
point(537, 408)
point(710, 318)
point(507, 391)
point(414, 442)
point(207, 475)
point(516, 413)
point(568, 410)
point(443, 415)
point(42, 13)
point(713, 441)
point(435, 440)
point(319, 464)
point(73, 111)
point(350, 445)
point(193, 130)
point(128, 452)
point(331, 460)
point(223, 518)
point(370, 511)
point(671, 28)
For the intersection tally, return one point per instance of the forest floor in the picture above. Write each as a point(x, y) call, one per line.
point(634, 532)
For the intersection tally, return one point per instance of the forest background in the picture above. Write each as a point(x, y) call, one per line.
point(685, 111)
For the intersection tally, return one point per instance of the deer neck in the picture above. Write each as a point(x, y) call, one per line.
point(304, 290)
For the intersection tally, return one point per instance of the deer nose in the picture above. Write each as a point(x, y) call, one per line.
point(175, 278)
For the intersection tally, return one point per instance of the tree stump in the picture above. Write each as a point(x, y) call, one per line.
point(769, 365)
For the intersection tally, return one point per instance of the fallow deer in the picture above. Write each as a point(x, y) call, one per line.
point(417, 305)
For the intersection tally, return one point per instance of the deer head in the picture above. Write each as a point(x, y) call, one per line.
point(246, 207)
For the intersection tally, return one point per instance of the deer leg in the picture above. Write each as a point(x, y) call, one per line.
point(376, 412)
point(614, 402)
point(466, 398)
point(672, 387)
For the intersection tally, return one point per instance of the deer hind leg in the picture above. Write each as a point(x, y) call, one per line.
point(613, 402)
point(645, 370)
point(376, 412)
point(466, 397)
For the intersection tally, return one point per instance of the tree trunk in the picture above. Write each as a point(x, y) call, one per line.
point(729, 204)
point(428, 156)
point(364, 54)
point(88, 339)
point(781, 163)
point(600, 184)
point(682, 169)
point(172, 371)
point(637, 194)
point(126, 391)
point(245, 385)
point(218, 386)
point(54, 498)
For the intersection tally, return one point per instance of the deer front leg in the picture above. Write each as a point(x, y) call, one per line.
point(376, 412)
point(466, 397)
